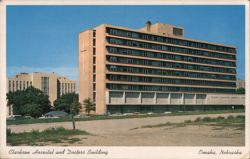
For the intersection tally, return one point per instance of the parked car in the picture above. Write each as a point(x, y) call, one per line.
point(81, 116)
point(150, 113)
point(116, 114)
point(167, 112)
point(55, 114)
point(27, 117)
point(48, 117)
point(14, 117)
point(126, 114)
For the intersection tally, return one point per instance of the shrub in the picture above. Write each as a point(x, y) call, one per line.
point(240, 117)
point(198, 119)
point(187, 121)
point(220, 118)
point(34, 131)
point(207, 119)
point(230, 117)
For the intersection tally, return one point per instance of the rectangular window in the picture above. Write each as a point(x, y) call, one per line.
point(20, 84)
point(94, 96)
point(45, 85)
point(94, 51)
point(10, 85)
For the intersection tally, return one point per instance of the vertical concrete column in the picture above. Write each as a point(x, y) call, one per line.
point(124, 98)
point(140, 99)
point(155, 98)
point(169, 98)
point(107, 97)
point(195, 98)
point(183, 99)
point(207, 99)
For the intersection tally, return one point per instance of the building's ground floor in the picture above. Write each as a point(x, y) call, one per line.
point(113, 109)
point(159, 102)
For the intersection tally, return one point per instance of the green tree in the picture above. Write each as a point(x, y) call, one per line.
point(31, 101)
point(74, 109)
point(240, 91)
point(88, 105)
point(63, 103)
point(33, 109)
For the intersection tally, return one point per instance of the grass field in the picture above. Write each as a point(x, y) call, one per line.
point(226, 130)
point(105, 117)
point(53, 135)
point(237, 122)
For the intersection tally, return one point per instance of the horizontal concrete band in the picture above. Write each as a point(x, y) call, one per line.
point(143, 98)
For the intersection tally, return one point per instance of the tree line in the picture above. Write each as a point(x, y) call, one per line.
point(33, 102)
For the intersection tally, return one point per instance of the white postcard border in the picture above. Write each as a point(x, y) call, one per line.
point(155, 152)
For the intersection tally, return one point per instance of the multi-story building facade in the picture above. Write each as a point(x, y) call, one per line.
point(64, 86)
point(51, 84)
point(153, 69)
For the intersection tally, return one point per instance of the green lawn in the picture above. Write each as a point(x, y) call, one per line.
point(105, 117)
point(53, 135)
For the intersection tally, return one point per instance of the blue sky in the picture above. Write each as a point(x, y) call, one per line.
point(45, 38)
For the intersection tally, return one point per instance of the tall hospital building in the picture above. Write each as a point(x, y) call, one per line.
point(51, 84)
point(155, 69)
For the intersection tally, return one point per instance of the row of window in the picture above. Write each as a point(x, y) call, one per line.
point(66, 87)
point(63, 88)
point(19, 85)
point(127, 78)
point(134, 52)
point(45, 85)
point(139, 70)
point(166, 88)
point(168, 64)
point(168, 48)
point(168, 40)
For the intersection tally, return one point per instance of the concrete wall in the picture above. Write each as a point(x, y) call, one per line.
point(162, 98)
point(148, 98)
point(176, 98)
point(100, 69)
point(189, 99)
point(116, 97)
point(132, 98)
point(85, 62)
point(123, 98)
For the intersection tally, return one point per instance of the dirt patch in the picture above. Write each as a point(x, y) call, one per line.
point(128, 132)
